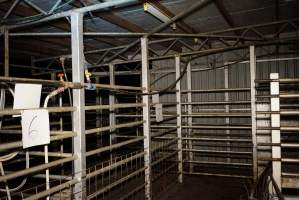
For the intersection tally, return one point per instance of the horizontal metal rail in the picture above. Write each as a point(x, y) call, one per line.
point(50, 109)
point(114, 165)
point(164, 158)
point(36, 168)
point(215, 151)
point(219, 114)
point(67, 84)
point(218, 163)
point(9, 131)
point(114, 106)
point(214, 174)
point(12, 145)
point(165, 144)
point(107, 128)
point(218, 90)
point(218, 139)
point(217, 103)
point(207, 139)
point(220, 127)
point(114, 146)
point(53, 190)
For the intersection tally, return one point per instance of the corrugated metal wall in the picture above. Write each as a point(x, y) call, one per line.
point(238, 77)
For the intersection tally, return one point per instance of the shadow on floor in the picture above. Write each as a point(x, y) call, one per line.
point(208, 188)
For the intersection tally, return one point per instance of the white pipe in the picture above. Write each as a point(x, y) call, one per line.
point(52, 94)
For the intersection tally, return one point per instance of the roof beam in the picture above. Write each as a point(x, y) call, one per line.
point(181, 24)
point(24, 11)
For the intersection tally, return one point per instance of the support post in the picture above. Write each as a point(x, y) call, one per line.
point(146, 117)
point(189, 110)
point(111, 103)
point(252, 66)
point(179, 117)
point(226, 99)
point(98, 113)
point(79, 148)
point(275, 124)
point(6, 53)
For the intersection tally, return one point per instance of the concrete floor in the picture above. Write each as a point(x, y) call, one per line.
point(208, 188)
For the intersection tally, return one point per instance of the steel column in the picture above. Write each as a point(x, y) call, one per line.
point(179, 117)
point(112, 122)
point(275, 124)
point(189, 111)
point(6, 53)
point(227, 109)
point(98, 112)
point(252, 65)
point(146, 116)
point(79, 148)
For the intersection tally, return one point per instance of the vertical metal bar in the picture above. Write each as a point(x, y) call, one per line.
point(190, 120)
point(98, 112)
point(79, 147)
point(6, 53)
point(111, 110)
point(252, 66)
point(179, 117)
point(146, 116)
point(275, 134)
point(226, 99)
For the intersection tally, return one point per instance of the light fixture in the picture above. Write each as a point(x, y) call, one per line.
point(156, 12)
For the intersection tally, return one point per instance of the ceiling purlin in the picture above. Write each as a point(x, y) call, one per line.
point(115, 19)
point(25, 11)
point(225, 14)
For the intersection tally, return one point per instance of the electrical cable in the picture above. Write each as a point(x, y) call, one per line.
point(11, 155)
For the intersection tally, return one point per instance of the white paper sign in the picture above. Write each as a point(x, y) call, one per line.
point(35, 128)
point(27, 96)
point(156, 98)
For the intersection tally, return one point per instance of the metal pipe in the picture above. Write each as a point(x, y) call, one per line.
point(50, 109)
point(214, 174)
point(114, 146)
point(74, 85)
point(114, 106)
point(13, 145)
point(217, 103)
point(52, 154)
point(85, 9)
point(218, 90)
point(131, 34)
point(217, 139)
point(113, 165)
point(36, 169)
point(220, 127)
point(220, 152)
point(107, 128)
point(53, 190)
point(218, 115)
point(218, 163)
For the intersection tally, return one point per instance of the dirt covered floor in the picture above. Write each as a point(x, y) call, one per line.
point(207, 188)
